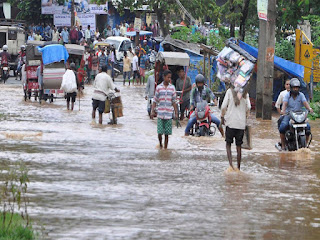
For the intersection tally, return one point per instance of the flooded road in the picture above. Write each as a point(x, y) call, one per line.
point(112, 182)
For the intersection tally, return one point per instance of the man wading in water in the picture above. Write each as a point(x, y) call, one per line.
point(234, 110)
point(165, 96)
point(103, 85)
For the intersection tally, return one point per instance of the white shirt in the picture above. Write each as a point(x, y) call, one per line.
point(135, 61)
point(102, 85)
point(55, 36)
point(85, 57)
point(235, 116)
point(280, 98)
point(87, 34)
point(130, 55)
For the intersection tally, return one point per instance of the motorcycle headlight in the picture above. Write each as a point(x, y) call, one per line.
point(201, 115)
point(299, 118)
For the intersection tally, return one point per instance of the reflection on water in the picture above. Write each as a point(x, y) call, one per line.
point(112, 182)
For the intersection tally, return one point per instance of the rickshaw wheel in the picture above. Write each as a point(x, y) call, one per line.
point(35, 96)
point(51, 98)
point(29, 95)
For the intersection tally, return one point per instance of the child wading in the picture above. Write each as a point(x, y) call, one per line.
point(234, 110)
point(165, 96)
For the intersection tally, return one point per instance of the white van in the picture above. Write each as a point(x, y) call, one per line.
point(121, 44)
point(13, 37)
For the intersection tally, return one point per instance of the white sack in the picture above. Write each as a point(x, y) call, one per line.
point(69, 83)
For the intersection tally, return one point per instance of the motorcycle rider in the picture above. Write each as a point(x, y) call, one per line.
point(21, 56)
point(198, 94)
point(5, 57)
point(293, 101)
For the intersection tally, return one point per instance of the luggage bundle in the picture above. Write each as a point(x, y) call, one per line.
point(235, 66)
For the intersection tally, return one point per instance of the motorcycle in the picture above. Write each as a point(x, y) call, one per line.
point(152, 59)
point(5, 69)
point(21, 62)
point(295, 136)
point(203, 126)
point(118, 68)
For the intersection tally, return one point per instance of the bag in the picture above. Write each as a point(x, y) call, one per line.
point(107, 106)
point(247, 140)
point(69, 82)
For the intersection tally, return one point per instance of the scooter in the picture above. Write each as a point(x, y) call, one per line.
point(203, 126)
point(295, 136)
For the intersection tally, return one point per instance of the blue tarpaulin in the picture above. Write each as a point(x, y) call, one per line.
point(291, 68)
point(53, 53)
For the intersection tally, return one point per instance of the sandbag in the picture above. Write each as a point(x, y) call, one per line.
point(69, 83)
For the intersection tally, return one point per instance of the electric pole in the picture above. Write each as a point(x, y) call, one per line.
point(264, 90)
point(72, 14)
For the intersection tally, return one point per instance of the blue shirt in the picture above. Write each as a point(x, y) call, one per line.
point(143, 61)
point(294, 104)
point(197, 97)
point(65, 36)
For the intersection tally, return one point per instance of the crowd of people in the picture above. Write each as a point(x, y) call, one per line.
point(77, 35)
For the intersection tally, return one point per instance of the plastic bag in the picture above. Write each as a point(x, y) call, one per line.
point(69, 83)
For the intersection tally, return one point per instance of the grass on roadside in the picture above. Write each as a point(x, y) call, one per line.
point(17, 229)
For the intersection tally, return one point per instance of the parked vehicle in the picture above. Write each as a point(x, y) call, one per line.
point(121, 44)
point(296, 134)
point(203, 126)
point(13, 36)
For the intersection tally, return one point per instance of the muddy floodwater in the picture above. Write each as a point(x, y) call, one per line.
point(112, 182)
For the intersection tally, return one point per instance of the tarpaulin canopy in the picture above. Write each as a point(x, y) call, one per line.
point(141, 33)
point(291, 68)
point(53, 53)
point(75, 49)
point(174, 58)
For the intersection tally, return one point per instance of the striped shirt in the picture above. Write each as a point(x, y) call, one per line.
point(165, 97)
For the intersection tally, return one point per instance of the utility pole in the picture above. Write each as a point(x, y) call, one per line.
point(72, 14)
point(264, 89)
point(137, 28)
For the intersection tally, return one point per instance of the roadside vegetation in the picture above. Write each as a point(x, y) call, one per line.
point(14, 218)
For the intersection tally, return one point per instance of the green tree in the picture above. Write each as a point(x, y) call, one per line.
point(163, 9)
point(30, 10)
